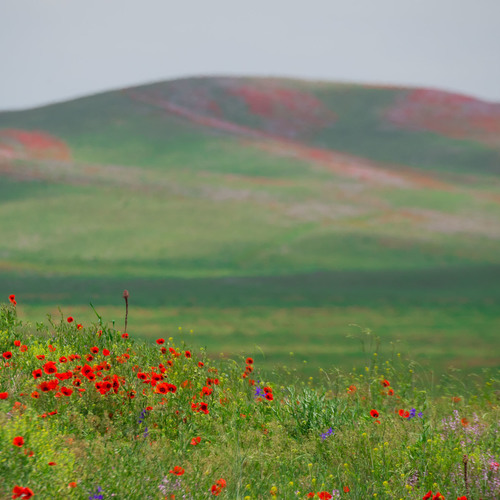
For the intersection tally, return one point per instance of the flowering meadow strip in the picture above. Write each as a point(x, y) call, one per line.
point(88, 412)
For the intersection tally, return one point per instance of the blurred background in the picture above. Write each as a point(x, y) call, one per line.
point(267, 179)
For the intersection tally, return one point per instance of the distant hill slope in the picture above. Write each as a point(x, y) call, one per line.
point(236, 176)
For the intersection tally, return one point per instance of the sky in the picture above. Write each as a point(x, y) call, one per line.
point(55, 50)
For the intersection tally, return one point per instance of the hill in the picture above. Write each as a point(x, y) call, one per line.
point(262, 211)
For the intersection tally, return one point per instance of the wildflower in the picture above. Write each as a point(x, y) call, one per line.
point(352, 389)
point(17, 343)
point(22, 492)
point(160, 341)
point(195, 441)
point(63, 359)
point(249, 361)
point(49, 368)
point(105, 352)
point(187, 354)
point(4, 395)
point(390, 392)
point(219, 486)
point(52, 463)
point(201, 364)
point(329, 432)
point(462, 498)
point(35, 394)
point(125, 335)
point(94, 350)
point(72, 484)
point(40, 356)
point(374, 413)
point(70, 319)
point(324, 495)
point(464, 422)
point(18, 441)
point(385, 383)
point(79, 326)
point(346, 489)
point(7, 355)
point(12, 299)
point(177, 470)
point(37, 373)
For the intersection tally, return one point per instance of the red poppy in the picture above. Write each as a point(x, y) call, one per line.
point(201, 364)
point(66, 391)
point(385, 383)
point(178, 471)
point(187, 354)
point(374, 413)
point(94, 350)
point(195, 441)
point(427, 496)
point(390, 392)
point(40, 356)
point(17, 343)
point(324, 495)
point(267, 390)
point(269, 396)
point(105, 352)
point(72, 484)
point(35, 394)
point(51, 348)
point(249, 361)
point(462, 498)
point(18, 441)
point(63, 359)
point(160, 341)
point(4, 395)
point(352, 389)
point(203, 407)
point(70, 319)
point(49, 368)
point(455, 399)
point(124, 335)
point(464, 422)
point(52, 463)
point(23, 348)
point(37, 373)
point(22, 492)
point(12, 299)
point(346, 489)
point(7, 355)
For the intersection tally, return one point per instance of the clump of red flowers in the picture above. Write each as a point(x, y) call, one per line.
point(218, 487)
point(22, 492)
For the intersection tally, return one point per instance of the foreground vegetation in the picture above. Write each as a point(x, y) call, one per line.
point(86, 411)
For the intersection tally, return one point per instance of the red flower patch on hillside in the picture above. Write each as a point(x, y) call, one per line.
point(33, 144)
point(452, 115)
point(288, 112)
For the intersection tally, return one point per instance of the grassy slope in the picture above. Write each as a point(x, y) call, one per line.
point(278, 249)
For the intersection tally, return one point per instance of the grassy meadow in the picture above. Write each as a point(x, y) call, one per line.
point(227, 207)
point(91, 412)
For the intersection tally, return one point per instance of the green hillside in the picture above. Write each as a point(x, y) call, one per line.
point(262, 212)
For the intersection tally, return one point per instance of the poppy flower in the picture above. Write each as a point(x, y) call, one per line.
point(105, 352)
point(464, 422)
point(17, 343)
point(385, 383)
point(462, 498)
point(160, 341)
point(249, 361)
point(427, 496)
point(195, 441)
point(187, 354)
point(374, 413)
point(63, 359)
point(35, 394)
point(178, 471)
point(52, 463)
point(72, 484)
point(18, 441)
point(40, 356)
point(70, 319)
point(346, 489)
point(7, 355)
point(324, 495)
point(22, 492)
point(269, 396)
point(94, 350)
point(66, 391)
point(12, 299)
point(4, 395)
point(390, 392)
point(49, 368)
point(37, 373)
point(124, 335)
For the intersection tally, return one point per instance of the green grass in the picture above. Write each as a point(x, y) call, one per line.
point(387, 428)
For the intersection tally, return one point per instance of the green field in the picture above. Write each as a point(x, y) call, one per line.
point(265, 240)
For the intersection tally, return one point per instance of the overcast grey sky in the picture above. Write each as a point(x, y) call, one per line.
point(54, 50)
